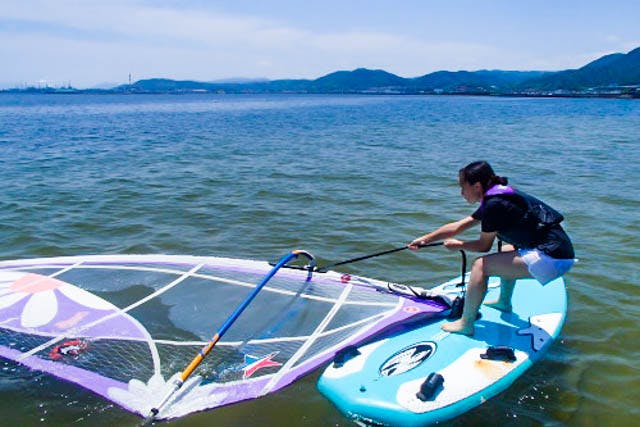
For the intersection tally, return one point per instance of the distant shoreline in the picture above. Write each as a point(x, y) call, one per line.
point(612, 93)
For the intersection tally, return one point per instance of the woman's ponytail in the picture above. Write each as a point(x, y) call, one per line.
point(498, 180)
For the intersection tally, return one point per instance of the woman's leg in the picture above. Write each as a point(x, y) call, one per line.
point(508, 265)
point(503, 303)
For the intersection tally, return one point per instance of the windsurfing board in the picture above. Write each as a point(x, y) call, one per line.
point(426, 375)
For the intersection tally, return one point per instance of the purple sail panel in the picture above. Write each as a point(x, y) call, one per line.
point(43, 305)
point(64, 325)
point(97, 383)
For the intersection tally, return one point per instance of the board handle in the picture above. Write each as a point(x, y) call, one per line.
point(430, 386)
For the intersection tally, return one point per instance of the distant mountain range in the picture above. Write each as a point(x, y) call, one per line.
point(611, 75)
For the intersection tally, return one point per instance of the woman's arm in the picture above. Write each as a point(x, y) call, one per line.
point(444, 232)
point(482, 244)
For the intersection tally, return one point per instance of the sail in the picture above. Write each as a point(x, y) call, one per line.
point(125, 326)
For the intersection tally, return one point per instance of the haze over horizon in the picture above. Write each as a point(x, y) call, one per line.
point(93, 43)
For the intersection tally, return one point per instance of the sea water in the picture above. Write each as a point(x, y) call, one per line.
point(340, 176)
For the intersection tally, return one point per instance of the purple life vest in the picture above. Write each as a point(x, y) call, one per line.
point(499, 189)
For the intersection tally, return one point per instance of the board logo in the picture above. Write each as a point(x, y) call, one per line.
point(407, 359)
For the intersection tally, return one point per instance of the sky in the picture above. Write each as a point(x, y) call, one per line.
point(87, 43)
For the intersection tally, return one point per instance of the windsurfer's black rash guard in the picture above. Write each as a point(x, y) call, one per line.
point(523, 221)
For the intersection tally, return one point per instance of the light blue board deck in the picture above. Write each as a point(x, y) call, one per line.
point(380, 384)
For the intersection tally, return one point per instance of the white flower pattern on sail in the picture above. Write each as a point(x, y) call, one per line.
point(42, 294)
point(141, 397)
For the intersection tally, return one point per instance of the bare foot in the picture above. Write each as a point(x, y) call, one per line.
point(458, 327)
point(499, 305)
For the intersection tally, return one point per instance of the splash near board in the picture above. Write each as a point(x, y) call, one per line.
point(126, 326)
point(427, 375)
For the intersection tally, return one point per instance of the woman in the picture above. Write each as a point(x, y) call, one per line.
point(538, 246)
